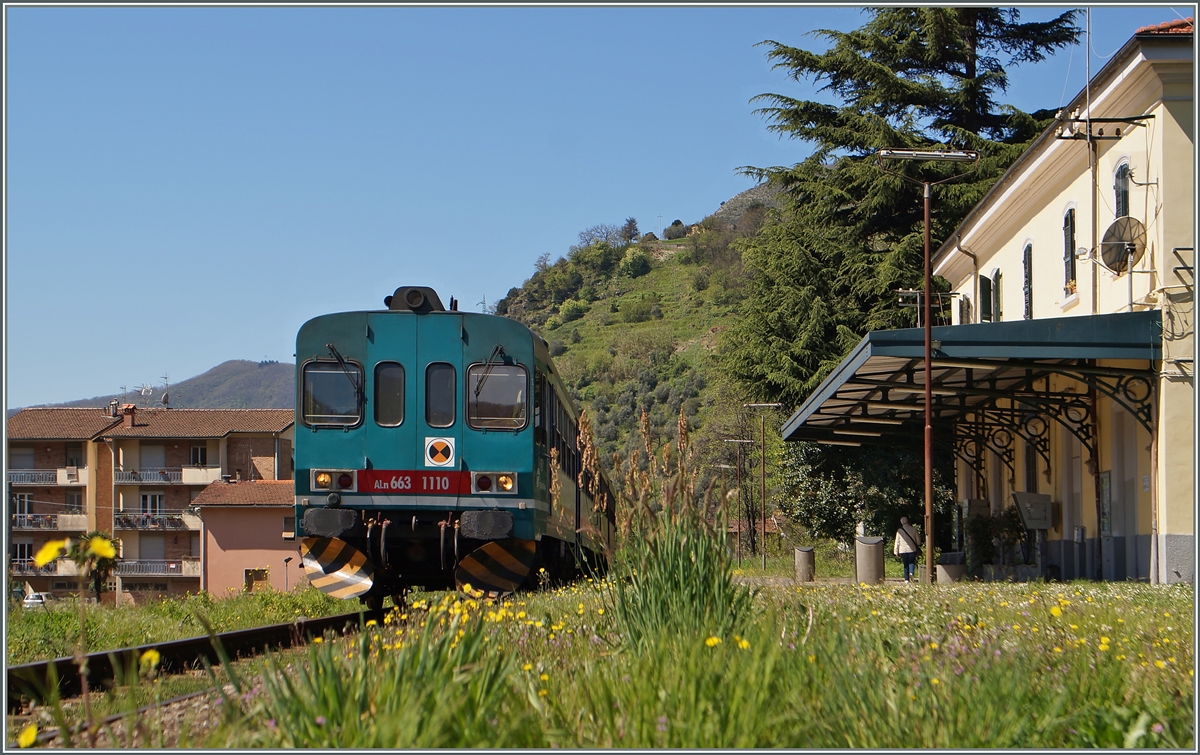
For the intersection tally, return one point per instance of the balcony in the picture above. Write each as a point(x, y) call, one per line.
point(66, 476)
point(179, 567)
point(25, 567)
point(149, 476)
point(56, 522)
point(154, 522)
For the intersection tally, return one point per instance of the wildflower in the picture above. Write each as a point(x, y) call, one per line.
point(27, 736)
point(541, 693)
point(1057, 649)
point(934, 681)
point(270, 723)
point(1157, 728)
point(933, 645)
point(1055, 611)
point(372, 622)
point(527, 667)
point(50, 551)
point(712, 642)
point(744, 644)
point(101, 547)
point(662, 723)
point(320, 720)
point(544, 677)
point(318, 640)
point(600, 611)
point(149, 660)
point(1160, 664)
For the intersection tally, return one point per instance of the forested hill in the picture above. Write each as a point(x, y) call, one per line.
point(634, 321)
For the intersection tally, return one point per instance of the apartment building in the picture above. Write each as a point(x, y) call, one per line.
point(134, 472)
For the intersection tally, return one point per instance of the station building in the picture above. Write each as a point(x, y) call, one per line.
point(1068, 367)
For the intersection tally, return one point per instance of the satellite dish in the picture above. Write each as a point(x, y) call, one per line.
point(166, 397)
point(1123, 243)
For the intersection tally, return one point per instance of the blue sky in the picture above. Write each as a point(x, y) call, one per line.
point(187, 185)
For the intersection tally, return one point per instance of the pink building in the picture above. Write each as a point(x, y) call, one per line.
point(248, 537)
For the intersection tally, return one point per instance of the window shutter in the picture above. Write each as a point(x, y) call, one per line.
point(985, 299)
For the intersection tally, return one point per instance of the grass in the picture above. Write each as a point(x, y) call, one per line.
point(966, 665)
point(36, 634)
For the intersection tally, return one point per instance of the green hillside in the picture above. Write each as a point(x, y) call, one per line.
point(634, 325)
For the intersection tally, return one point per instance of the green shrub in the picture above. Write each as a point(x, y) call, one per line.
point(700, 281)
point(573, 309)
point(637, 310)
point(676, 230)
point(636, 263)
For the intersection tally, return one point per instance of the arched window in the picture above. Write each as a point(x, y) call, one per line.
point(1121, 190)
point(1027, 286)
point(1069, 252)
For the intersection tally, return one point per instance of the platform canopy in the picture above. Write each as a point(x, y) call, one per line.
point(990, 381)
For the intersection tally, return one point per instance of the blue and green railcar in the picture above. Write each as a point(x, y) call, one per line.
point(436, 448)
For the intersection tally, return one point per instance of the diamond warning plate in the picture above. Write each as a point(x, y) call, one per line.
point(335, 567)
point(496, 568)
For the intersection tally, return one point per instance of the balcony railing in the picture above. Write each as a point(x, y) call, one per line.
point(151, 522)
point(151, 476)
point(60, 476)
point(179, 567)
point(63, 522)
point(25, 567)
point(33, 476)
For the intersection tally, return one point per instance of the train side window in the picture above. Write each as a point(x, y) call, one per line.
point(497, 396)
point(329, 395)
point(539, 430)
point(440, 405)
point(389, 394)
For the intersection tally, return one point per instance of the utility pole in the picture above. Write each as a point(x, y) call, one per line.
point(763, 418)
point(740, 441)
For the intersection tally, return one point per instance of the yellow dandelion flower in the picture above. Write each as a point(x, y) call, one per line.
point(812, 658)
point(934, 681)
point(1057, 649)
point(544, 677)
point(318, 640)
point(527, 667)
point(50, 551)
point(743, 644)
point(712, 642)
point(150, 658)
point(541, 693)
point(1160, 664)
point(372, 622)
point(1055, 611)
point(600, 611)
point(27, 736)
point(101, 547)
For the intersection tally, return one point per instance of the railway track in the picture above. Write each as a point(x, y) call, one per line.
point(32, 682)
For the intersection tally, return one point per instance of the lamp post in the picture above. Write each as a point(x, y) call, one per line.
point(763, 417)
point(287, 560)
point(739, 441)
point(957, 156)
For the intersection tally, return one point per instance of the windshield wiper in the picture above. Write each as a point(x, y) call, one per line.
point(487, 367)
point(349, 373)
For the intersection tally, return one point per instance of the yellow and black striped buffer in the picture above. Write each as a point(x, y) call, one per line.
point(335, 567)
point(496, 568)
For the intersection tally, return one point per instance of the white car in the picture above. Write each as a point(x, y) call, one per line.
point(35, 599)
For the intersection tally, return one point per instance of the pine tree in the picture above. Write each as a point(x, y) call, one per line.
point(917, 78)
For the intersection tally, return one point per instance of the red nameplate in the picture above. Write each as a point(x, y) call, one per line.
point(414, 482)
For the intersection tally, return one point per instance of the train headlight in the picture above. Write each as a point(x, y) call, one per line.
point(506, 483)
point(323, 480)
point(483, 483)
point(345, 481)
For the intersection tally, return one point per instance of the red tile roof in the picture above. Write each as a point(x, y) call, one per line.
point(1178, 26)
point(61, 423)
point(257, 493)
point(202, 423)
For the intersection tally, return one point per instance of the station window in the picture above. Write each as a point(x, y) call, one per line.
point(1121, 190)
point(496, 396)
point(330, 394)
point(1069, 252)
point(389, 394)
point(440, 407)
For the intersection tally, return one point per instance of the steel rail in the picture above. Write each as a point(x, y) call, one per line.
point(32, 681)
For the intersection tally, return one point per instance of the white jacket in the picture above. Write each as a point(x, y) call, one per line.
point(902, 545)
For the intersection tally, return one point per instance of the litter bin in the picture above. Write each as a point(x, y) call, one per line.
point(868, 560)
point(805, 565)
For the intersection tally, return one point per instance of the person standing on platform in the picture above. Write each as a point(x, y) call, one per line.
point(907, 547)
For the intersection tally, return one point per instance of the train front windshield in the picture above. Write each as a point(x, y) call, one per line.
point(329, 395)
point(496, 396)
